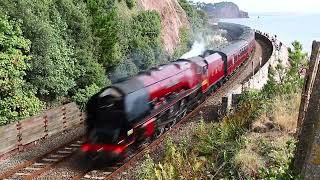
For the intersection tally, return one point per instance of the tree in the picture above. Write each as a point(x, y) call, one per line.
point(17, 99)
point(298, 61)
point(145, 46)
point(63, 46)
point(287, 80)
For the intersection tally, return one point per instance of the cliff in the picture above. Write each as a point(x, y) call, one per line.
point(224, 10)
point(173, 18)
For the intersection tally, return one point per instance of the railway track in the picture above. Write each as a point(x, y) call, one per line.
point(36, 167)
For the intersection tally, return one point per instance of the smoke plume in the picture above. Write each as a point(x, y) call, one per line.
point(205, 41)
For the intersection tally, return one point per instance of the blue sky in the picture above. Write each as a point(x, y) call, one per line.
point(305, 6)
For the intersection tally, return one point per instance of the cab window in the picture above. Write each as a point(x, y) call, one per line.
point(205, 70)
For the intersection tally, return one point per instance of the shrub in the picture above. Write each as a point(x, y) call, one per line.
point(145, 46)
point(287, 81)
point(280, 157)
point(83, 95)
point(177, 164)
point(147, 169)
point(185, 42)
point(131, 3)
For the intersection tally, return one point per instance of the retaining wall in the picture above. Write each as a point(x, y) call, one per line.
point(260, 73)
point(260, 77)
point(17, 135)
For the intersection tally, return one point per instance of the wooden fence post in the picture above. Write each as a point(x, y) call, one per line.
point(307, 156)
point(308, 84)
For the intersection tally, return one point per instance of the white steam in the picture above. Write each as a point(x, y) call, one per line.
point(197, 48)
point(204, 42)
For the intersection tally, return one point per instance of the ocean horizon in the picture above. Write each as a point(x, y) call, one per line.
point(288, 27)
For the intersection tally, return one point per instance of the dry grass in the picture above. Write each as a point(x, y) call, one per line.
point(283, 116)
point(286, 111)
point(248, 162)
point(263, 124)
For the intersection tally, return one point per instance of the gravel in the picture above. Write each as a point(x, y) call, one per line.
point(42, 147)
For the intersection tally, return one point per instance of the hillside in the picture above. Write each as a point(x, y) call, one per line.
point(173, 18)
point(223, 10)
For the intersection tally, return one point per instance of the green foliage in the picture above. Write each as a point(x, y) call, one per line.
point(83, 95)
point(147, 167)
point(131, 3)
point(77, 44)
point(147, 24)
point(62, 46)
point(197, 18)
point(220, 142)
point(124, 70)
point(280, 157)
point(17, 99)
point(286, 81)
point(146, 46)
point(177, 163)
point(185, 44)
point(107, 28)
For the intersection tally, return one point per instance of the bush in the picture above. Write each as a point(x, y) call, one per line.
point(185, 43)
point(176, 164)
point(125, 70)
point(18, 100)
point(131, 3)
point(83, 95)
point(147, 167)
point(279, 156)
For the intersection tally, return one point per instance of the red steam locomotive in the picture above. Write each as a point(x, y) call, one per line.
point(142, 107)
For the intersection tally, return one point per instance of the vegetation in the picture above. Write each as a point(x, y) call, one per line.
point(57, 51)
point(17, 97)
point(255, 141)
point(197, 18)
point(286, 81)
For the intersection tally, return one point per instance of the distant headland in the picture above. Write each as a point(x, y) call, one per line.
point(223, 10)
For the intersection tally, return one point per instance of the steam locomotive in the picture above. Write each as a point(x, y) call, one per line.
point(142, 107)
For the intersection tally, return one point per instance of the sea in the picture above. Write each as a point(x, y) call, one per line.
point(287, 26)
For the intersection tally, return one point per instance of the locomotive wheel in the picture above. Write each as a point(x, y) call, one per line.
point(159, 131)
point(172, 123)
point(182, 104)
point(184, 114)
